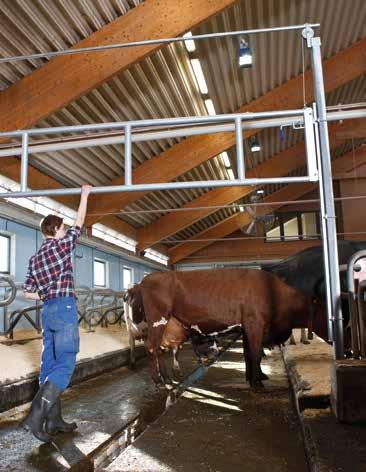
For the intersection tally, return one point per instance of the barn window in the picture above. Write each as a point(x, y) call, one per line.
point(5, 248)
point(309, 223)
point(295, 226)
point(291, 229)
point(127, 277)
point(100, 273)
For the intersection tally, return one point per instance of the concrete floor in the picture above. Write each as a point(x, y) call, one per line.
point(102, 407)
point(220, 425)
point(334, 447)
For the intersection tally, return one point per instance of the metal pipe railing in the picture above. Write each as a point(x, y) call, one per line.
point(103, 304)
point(147, 42)
point(234, 119)
point(115, 137)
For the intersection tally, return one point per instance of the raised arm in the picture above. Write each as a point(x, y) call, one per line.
point(80, 217)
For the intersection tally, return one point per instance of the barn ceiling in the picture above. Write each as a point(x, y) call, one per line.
point(163, 85)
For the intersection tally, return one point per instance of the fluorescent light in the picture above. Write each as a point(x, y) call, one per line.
point(198, 72)
point(39, 205)
point(210, 107)
point(231, 174)
point(260, 191)
point(156, 256)
point(103, 232)
point(245, 55)
point(189, 44)
point(241, 208)
point(44, 206)
point(225, 159)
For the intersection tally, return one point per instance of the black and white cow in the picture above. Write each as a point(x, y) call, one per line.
point(305, 270)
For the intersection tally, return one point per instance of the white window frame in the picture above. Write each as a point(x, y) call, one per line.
point(106, 265)
point(132, 276)
point(12, 248)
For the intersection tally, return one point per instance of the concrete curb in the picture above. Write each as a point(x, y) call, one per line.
point(297, 388)
point(22, 391)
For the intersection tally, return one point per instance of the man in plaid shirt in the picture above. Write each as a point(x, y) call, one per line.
point(50, 279)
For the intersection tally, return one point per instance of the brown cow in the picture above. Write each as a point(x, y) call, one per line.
point(174, 334)
point(214, 300)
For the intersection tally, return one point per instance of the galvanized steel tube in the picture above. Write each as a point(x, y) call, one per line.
point(239, 148)
point(331, 264)
point(24, 163)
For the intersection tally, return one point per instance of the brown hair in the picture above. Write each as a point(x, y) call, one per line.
point(50, 224)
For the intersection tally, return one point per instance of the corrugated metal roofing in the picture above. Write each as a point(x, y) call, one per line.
point(163, 84)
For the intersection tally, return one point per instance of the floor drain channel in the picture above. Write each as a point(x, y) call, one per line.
point(114, 446)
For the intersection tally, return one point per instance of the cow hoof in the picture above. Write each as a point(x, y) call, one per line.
point(305, 342)
point(264, 376)
point(257, 386)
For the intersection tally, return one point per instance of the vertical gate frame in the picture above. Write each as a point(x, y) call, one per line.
point(329, 231)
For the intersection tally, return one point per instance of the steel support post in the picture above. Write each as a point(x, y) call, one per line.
point(128, 156)
point(331, 265)
point(24, 163)
point(239, 148)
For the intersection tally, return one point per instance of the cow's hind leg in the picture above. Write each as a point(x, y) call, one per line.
point(254, 338)
point(156, 361)
point(248, 364)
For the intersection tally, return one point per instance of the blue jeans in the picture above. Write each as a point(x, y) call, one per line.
point(60, 341)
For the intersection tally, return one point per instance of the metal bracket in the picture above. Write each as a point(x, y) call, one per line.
point(297, 125)
point(308, 34)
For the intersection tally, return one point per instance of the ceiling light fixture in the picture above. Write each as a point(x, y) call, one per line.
point(210, 107)
point(254, 145)
point(198, 72)
point(231, 174)
point(189, 44)
point(245, 54)
point(226, 159)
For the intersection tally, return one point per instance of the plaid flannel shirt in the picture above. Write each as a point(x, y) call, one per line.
point(50, 269)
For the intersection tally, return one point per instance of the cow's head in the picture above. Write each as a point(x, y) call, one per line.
point(318, 318)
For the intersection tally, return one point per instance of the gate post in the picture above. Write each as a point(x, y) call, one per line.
point(330, 249)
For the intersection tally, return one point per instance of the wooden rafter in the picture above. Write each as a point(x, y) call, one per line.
point(357, 131)
point(338, 70)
